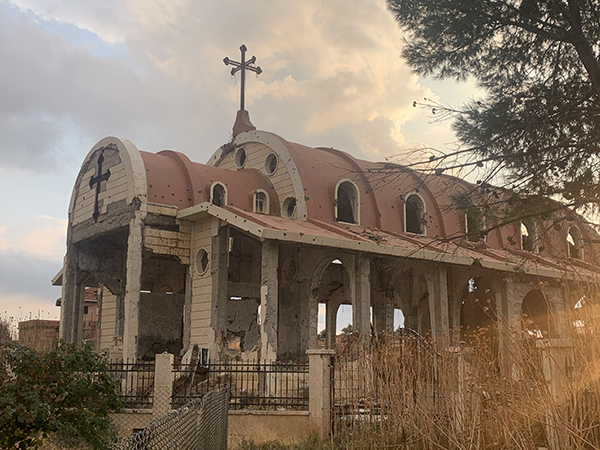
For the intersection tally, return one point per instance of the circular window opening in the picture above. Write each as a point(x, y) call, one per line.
point(240, 158)
point(289, 208)
point(271, 164)
point(289, 269)
point(201, 261)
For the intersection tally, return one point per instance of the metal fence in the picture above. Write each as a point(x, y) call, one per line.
point(253, 385)
point(136, 383)
point(395, 372)
point(200, 424)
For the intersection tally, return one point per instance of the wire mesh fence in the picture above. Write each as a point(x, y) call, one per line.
point(253, 385)
point(197, 425)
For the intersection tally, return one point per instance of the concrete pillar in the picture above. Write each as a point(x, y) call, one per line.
point(319, 394)
point(219, 271)
point(187, 308)
point(71, 310)
point(163, 384)
point(268, 301)
point(437, 285)
point(361, 301)
point(132, 289)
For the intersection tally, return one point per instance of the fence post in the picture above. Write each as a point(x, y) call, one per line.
point(163, 384)
point(320, 366)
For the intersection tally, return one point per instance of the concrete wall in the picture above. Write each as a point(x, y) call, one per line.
point(286, 427)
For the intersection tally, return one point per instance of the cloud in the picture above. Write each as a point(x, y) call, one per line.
point(41, 237)
point(330, 69)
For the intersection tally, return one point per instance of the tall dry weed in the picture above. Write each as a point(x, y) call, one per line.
point(495, 391)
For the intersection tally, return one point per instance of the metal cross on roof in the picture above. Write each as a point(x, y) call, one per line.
point(243, 66)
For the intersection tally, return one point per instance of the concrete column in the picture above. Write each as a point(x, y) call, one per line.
point(268, 301)
point(319, 395)
point(163, 384)
point(361, 301)
point(383, 312)
point(219, 271)
point(71, 310)
point(437, 285)
point(187, 308)
point(331, 311)
point(132, 289)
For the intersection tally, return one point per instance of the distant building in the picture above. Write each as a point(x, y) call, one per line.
point(40, 335)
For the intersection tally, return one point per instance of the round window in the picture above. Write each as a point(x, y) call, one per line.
point(240, 157)
point(288, 208)
point(201, 261)
point(271, 164)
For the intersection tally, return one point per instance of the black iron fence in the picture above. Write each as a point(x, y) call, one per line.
point(136, 383)
point(253, 385)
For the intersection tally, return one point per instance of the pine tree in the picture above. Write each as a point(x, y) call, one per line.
point(537, 63)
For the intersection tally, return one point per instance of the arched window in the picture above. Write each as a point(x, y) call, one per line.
point(288, 209)
point(346, 202)
point(536, 316)
point(414, 214)
point(218, 195)
point(475, 224)
point(528, 236)
point(575, 243)
point(261, 202)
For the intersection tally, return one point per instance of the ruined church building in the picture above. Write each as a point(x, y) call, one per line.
point(238, 255)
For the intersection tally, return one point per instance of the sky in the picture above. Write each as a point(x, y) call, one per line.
point(151, 71)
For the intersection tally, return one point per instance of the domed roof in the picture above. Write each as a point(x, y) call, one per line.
point(173, 179)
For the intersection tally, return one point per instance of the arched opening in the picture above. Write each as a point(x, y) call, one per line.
point(322, 325)
point(528, 236)
point(536, 316)
point(475, 222)
point(261, 202)
point(414, 214)
point(288, 209)
point(343, 322)
point(575, 243)
point(330, 290)
point(346, 202)
point(398, 319)
point(478, 310)
point(218, 195)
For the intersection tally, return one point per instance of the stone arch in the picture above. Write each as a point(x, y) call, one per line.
point(330, 284)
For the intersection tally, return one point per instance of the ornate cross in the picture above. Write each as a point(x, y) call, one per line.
point(96, 180)
point(243, 66)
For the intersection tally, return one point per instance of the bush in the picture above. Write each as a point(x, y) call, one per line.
point(67, 391)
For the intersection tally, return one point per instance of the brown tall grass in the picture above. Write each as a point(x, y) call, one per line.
point(508, 391)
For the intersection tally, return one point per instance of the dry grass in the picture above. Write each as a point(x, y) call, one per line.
point(398, 393)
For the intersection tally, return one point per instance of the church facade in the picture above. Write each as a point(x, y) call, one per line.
point(240, 255)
